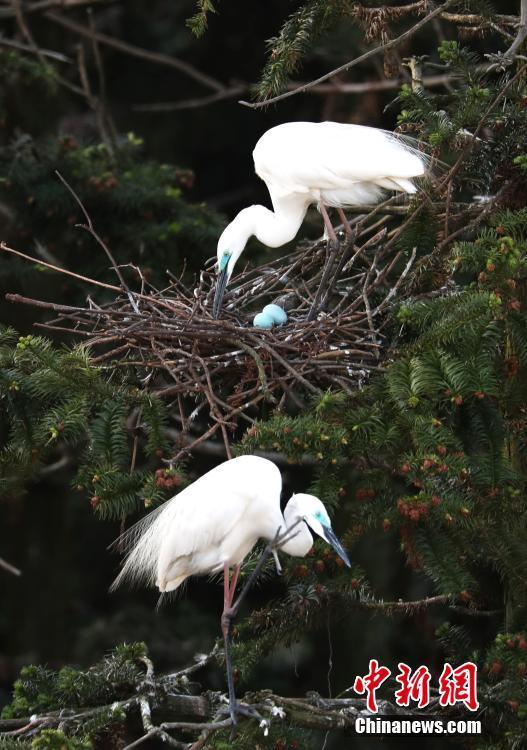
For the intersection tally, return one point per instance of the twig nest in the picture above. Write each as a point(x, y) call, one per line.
point(276, 313)
point(224, 370)
point(263, 320)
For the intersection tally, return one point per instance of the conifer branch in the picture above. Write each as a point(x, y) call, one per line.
point(311, 712)
point(335, 88)
point(352, 63)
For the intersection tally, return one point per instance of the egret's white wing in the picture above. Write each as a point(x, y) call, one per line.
point(187, 535)
point(305, 157)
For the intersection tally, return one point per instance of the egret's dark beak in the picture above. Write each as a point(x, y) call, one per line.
point(221, 285)
point(330, 537)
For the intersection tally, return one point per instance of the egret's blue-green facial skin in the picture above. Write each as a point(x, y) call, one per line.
point(221, 283)
point(322, 518)
point(331, 538)
point(224, 260)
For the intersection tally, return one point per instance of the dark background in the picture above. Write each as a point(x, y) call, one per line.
point(60, 610)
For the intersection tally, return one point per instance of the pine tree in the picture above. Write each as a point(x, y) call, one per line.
point(430, 454)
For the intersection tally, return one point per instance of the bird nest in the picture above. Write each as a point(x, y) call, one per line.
point(225, 370)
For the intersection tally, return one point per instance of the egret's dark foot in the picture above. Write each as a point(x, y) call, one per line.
point(283, 537)
point(235, 709)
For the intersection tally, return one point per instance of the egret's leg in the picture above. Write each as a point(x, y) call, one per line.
point(235, 708)
point(226, 587)
point(344, 256)
point(327, 221)
point(234, 581)
point(226, 621)
point(230, 610)
point(345, 222)
point(271, 549)
point(333, 245)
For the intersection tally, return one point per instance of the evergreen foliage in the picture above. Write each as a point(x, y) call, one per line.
point(39, 690)
point(453, 397)
point(432, 452)
point(54, 399)
point(140, 207)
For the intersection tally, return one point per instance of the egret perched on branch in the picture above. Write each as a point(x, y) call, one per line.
point(212, 525)
point(327, 163)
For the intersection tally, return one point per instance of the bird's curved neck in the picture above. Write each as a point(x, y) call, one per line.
point(275, 228)
point(301, 539)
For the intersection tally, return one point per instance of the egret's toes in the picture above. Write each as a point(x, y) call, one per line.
point(248, 711)
point(238, 709)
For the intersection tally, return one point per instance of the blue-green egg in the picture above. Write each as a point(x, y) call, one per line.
point(263, 320)
point(278, 314)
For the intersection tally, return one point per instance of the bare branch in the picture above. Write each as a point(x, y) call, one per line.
point(195, 103)
point(88, 227)
point(335, 88)
point(58, 56)
point(130, 49)
point(80, 277)
point(9, 568)
point(43, 5)
point(34, 48)
point(508, 56)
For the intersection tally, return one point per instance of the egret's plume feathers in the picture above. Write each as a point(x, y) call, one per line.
point(142, 542)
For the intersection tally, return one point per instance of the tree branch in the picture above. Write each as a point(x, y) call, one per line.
point(29, 48)
point(336, 88)
point(38, 262)
point(130, 49)
point(9, 568)
point(44, 5)
point(347, 66)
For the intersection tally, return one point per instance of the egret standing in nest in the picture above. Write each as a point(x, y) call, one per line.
point(326, 163)
point(212, 525)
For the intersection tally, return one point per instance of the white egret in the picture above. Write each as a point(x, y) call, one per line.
point(327, 163)
point(213, 524)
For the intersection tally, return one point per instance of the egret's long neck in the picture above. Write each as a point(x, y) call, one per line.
point(301, 541)
point(275, 228)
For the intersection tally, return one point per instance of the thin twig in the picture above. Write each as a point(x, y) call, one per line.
point(42, 5)
point(78, 276)
point(9, 568)
point(88, 227)
point(58, 56)
point(129, 49)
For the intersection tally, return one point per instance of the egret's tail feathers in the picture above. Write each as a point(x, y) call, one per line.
point(406, 185)
point(166, 586)
point(430, 165)
point(167, 596)
point(141, 543)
